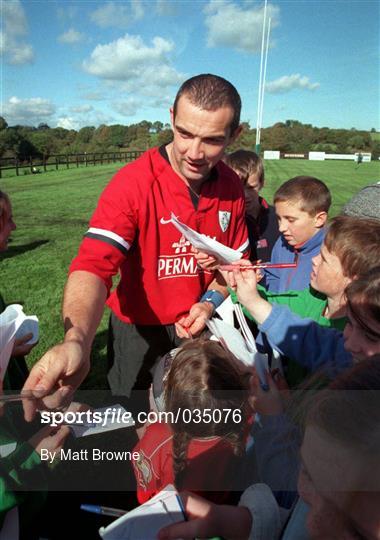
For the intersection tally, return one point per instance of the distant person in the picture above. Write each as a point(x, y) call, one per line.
point(260, 217)
point(365, 203)
point(198, 450)
point(359, 159)
point(129, 233)
point(302, 204)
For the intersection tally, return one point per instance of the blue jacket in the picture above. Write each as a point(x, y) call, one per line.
point(295, 279)
point(306, 342)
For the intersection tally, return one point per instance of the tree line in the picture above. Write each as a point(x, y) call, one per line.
point(24, 142)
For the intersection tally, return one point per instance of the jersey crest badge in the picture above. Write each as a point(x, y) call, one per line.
point(143, 466)
point(224, 219)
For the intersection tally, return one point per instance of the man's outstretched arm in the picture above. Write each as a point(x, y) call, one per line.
point(64, 366)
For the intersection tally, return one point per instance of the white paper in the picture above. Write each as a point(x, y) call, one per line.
point(96, 428)
point(13, 325)
point(226, 311)
point(6, 449)
point(144, 522)
point(231, 339)
point(224, 254)
point(242, 348)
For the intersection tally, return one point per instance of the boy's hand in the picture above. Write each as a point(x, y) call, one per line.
point(267, 402)
point(244, 282)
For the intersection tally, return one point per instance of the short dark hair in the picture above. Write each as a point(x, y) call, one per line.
point(211, 92)
point(313, 194)
point(245, 163)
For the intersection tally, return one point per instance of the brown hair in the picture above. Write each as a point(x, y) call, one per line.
point(205, 376)
point(313, 194)
point(246, 163)
point(356, 242)
point(210, 92)
point(363, 297)
point(5, 205)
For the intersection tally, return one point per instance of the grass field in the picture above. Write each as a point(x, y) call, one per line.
point(51, 211)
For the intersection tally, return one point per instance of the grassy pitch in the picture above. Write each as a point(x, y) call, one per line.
point(51, 211)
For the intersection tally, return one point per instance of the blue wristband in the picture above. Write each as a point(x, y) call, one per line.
point(214, 297)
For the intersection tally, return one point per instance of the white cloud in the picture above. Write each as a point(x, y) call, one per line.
point(130, 59)
point(82, 109)
point(128, 107)
point(14, 28)
point(30, 111)
point(125, 57)
point(232, 25)
point(163, 102)
point(68, 122)
point(71, 36)
point(290, 82)
point(117, 14)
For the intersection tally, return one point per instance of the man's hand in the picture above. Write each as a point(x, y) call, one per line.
point(195, 321)
point(204, 260)
point(21, 346)
point(59, 373)
point(207, 519)
point(49, 438)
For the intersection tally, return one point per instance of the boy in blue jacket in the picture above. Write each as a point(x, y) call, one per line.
point(304, 340)
point(302, 204)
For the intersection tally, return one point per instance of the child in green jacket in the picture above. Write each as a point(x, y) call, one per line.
point(351, 248)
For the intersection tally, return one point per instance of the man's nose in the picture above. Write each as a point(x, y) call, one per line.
point(195, 151)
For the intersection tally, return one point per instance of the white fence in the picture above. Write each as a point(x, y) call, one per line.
point(320, 156)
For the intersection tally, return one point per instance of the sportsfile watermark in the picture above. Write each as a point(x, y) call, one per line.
point(118, 416)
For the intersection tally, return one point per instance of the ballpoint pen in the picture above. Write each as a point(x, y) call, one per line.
point(230, 267)
point(103, 510)
point(4, 398)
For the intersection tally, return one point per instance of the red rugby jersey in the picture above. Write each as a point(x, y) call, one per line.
point(211, 465)
point(159, 277)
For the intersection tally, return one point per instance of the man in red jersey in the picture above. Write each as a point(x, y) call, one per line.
point(160, 283)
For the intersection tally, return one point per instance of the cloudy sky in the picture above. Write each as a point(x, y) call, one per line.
point(79, 63)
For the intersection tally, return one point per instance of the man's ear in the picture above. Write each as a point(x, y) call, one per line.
point(235, 134)
point(320, 219)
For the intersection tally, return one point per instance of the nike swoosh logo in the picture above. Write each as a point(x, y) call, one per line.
point(165, 221)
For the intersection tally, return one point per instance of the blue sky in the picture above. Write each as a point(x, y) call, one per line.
point(74, 64)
